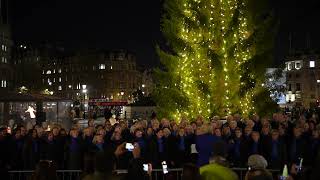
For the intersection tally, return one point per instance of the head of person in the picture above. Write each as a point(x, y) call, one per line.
point(17, 134)
point(101, 132)
point(91, 123)
point(237, 117)
point(74, 133)
point(23, 131)
point(250, 123)
point(190, 172)
point(217, 132)
point(45, 170)
point(138, 133)
point(55, 131)
point(63, 132)
point(159, 133)
point(149, 131)
point(258, 174)
point(175, 127)
point(247, 130)
point(297, 132)
point(98, 139)
point(229, 118)
point(166, 132)
point(219, 154)
point(193, 125)
point(257, 162)
point(181, 132)
point(189, 130)
point(265, 130)
point(199, 121)
point(255, 136)
point(50, 136)
point(107, 126)
point(32, 133)
point(155, 125)
point(233, 125)
point(238, 133)
point(116, 136)
point(165, 123)
point(275, 135)
point(226, 131)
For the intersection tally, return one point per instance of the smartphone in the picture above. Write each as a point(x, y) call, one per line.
point(164, 167)
point(129, 146)
point(299, 168)
point(145, 167)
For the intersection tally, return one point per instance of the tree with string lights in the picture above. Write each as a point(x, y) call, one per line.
point(219, 51)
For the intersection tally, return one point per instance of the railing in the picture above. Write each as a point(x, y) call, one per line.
point(61, 174)
point(157, 174)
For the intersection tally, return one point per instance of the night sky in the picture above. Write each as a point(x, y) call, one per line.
point(135, 25)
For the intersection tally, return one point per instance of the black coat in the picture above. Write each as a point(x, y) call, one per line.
point(275, 163)
point(74, 158)
point(153, 155)
point(49, 150)
point(30, 153)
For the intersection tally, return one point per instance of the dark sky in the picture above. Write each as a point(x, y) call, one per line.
point(135, 24)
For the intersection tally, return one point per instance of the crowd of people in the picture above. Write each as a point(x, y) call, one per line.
point(280, 139)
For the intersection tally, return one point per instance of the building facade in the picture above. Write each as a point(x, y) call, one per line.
point(110, 75)
point(303, 80)
point(6, 69)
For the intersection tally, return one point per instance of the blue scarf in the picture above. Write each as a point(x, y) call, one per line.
point(100, 147)
point(237, 148)
point(35, 146)
point(74, 146)
point(254, 148)
point(141, 143)
point(293, 150)
point(274, 152)
point(160, 145)
point(181, 144)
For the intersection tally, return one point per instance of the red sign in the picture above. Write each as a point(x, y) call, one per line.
point(111, 103)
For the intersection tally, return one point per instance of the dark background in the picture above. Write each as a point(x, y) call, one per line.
point(135, 25)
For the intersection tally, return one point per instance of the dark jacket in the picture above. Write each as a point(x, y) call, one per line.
point(74, 152)
point(31, 152)
point(154, 155)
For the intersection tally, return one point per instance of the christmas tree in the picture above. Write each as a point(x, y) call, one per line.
point(219, 50)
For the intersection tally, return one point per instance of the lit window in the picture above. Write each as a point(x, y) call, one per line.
point(54, 71)
point(318, 81)
point(290, 66)
point(59, 88)
point(3, 83)
point(312, 64)
point(54, 79)
point(70, 86)
point(59, 79)
point(2, 59)
point(48, 72)
point(143, 85)
point(42, 71)
point(102, 66)
point(298, 65)
point(110, 67)
point(59, 71)
point(2, 47)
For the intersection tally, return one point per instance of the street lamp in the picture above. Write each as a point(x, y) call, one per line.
point(84, 91)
